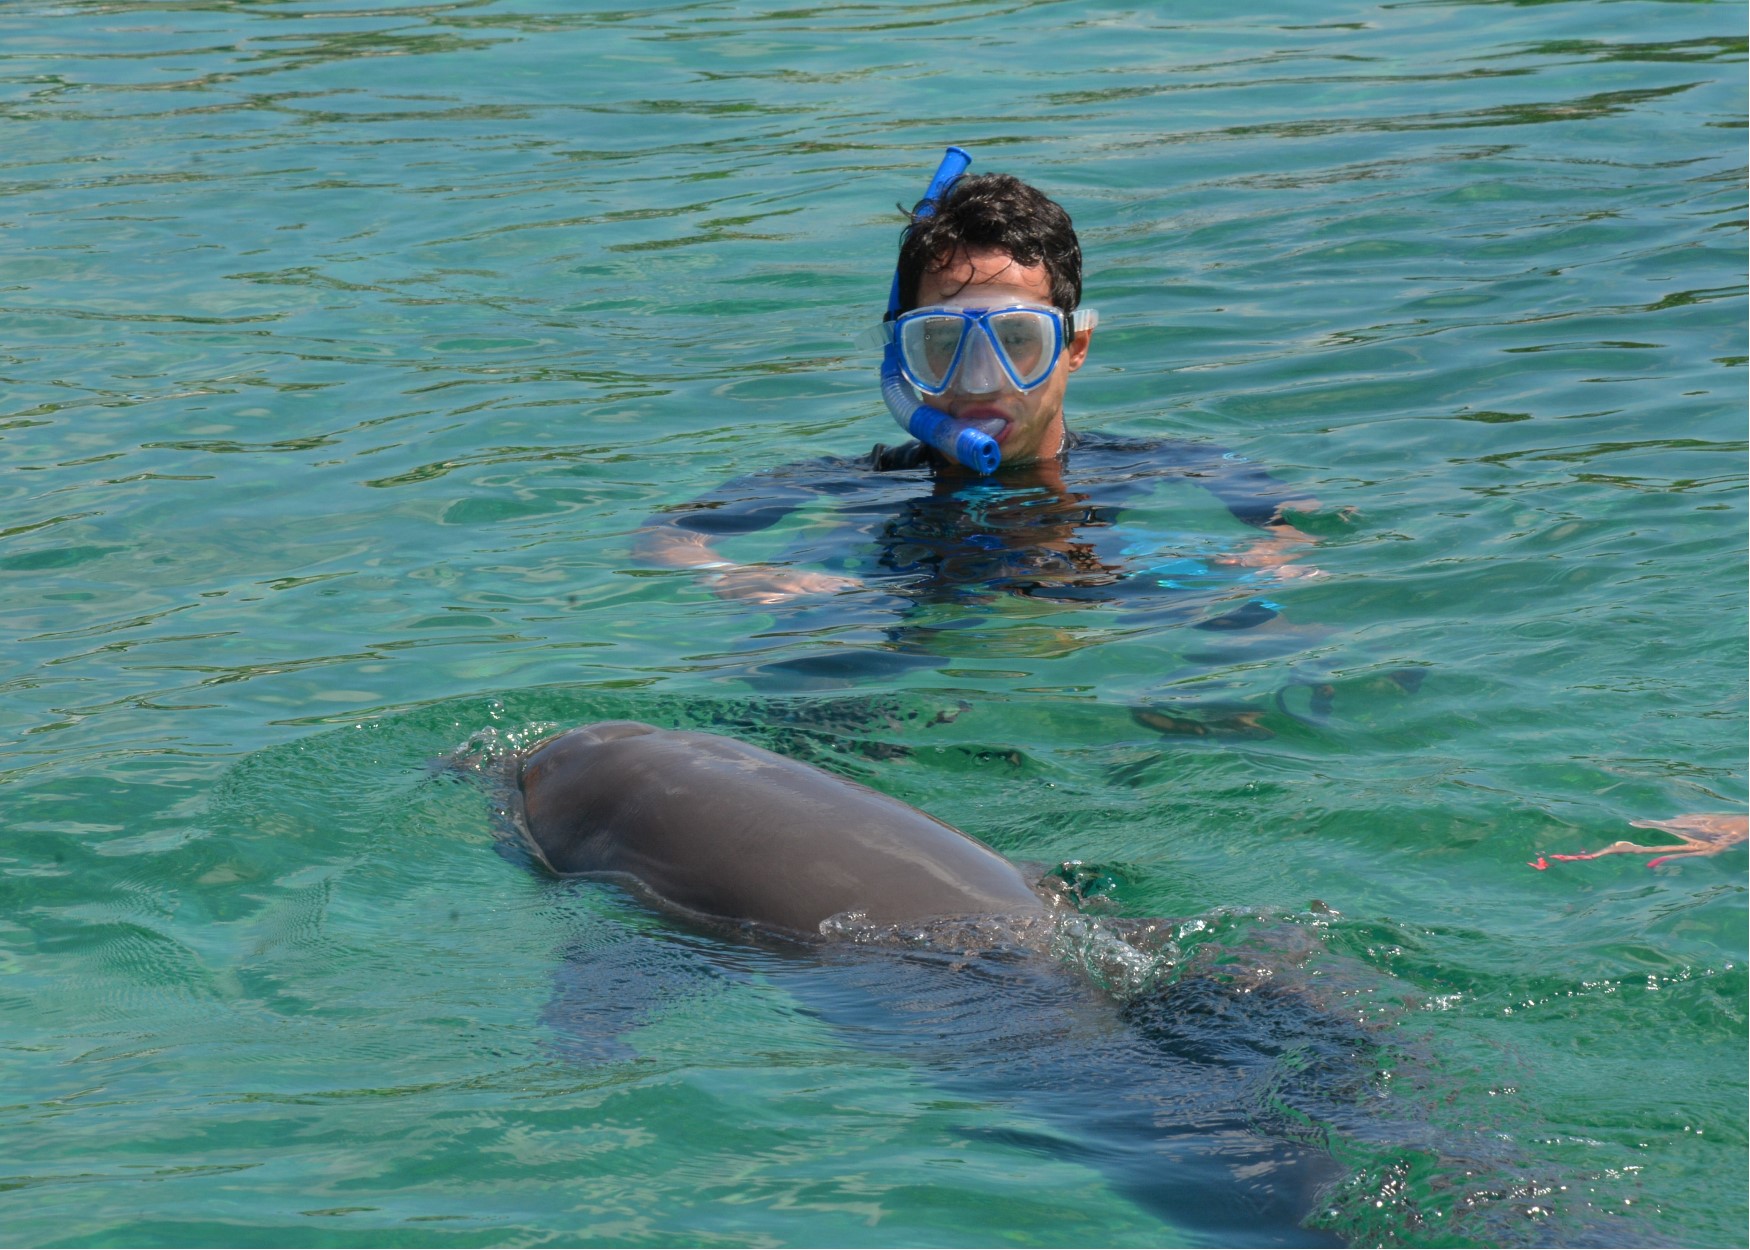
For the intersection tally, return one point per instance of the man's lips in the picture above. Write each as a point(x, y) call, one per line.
point(991, 421)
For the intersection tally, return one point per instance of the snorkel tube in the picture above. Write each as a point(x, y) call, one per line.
point(958, 441)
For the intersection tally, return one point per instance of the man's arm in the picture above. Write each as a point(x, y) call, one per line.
point(662, 543)
point(682, 538)
point(1285, 544)
point(1261, 501)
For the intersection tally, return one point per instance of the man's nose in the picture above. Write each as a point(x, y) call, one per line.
point(980, 372)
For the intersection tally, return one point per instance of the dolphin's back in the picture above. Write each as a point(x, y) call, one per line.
point(726, 829)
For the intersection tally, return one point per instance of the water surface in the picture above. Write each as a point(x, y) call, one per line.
point(344, 348)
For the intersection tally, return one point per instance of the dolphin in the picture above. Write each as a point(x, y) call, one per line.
point(723, 829)
point(1212, 1104)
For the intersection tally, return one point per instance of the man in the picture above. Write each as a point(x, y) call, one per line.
point(1044, 524)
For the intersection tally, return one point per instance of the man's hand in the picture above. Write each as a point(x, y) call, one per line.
point(1274, 554)
point(1702, 833)
point(762, 583)
point(757, 583)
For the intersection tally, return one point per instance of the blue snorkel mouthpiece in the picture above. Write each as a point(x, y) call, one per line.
point(966, 444)
point(962, 443)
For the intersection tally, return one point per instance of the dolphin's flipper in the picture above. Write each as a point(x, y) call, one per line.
point(609, 983)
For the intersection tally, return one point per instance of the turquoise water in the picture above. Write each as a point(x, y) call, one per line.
point(344, 348)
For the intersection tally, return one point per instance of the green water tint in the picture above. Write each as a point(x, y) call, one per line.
point(337, 896)
point(343, 351)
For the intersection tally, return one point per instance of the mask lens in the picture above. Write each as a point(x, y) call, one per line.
point(937, 353)
point(1027, 339)
point(929, 344)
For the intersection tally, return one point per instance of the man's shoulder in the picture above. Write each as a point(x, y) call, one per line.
point(1152, 450)
point(1085, 441)
point(885, 459)
point(1078, 445)
point(1250, 491)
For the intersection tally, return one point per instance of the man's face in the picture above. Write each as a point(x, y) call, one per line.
point(1027, 426)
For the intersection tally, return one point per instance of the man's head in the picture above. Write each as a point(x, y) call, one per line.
point(993, 240)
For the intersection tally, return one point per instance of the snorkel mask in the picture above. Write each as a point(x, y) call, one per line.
point(981, 350)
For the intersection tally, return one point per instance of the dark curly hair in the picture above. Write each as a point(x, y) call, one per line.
point(997, 212)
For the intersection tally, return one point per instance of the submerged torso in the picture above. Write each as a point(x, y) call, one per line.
point(1061, 530)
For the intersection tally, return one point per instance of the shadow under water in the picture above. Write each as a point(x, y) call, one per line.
point(1206, 1104)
